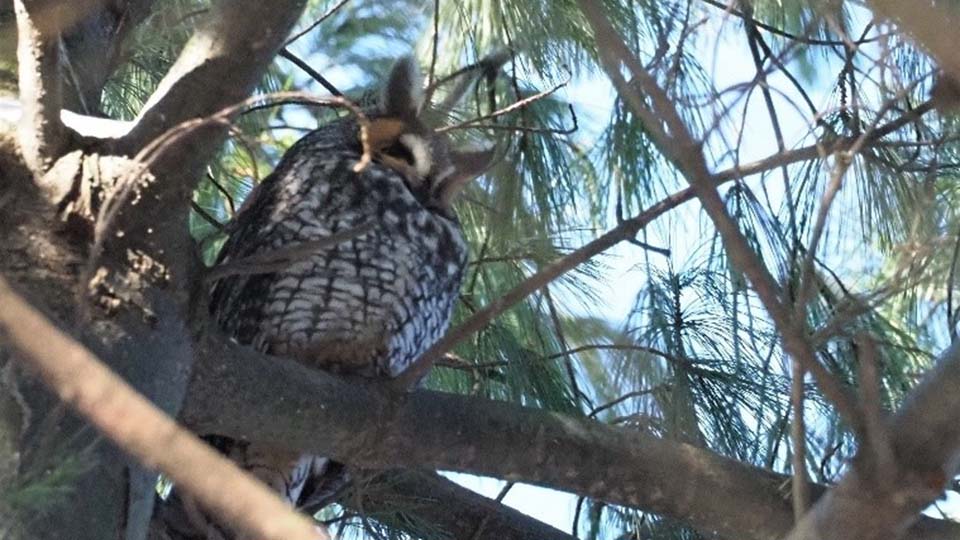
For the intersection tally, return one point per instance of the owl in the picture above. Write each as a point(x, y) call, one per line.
point(358, 269)
point(370, 304)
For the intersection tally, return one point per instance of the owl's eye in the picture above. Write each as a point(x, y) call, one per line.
point(414, 151)
point(399, 150)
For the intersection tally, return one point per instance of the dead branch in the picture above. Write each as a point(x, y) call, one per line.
point(282, 258)
point(332, 10)
point(505, 110)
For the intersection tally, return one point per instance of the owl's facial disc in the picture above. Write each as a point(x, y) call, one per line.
point(419, 152)
point(395, 146)
point(410, 155)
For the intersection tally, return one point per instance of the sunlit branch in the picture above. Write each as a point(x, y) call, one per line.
point(137, 426)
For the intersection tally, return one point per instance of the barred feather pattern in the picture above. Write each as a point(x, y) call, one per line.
point(367, 306)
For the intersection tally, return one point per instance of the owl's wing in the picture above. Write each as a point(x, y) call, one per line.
point(229, 295)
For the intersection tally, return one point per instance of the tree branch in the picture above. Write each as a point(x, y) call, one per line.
point(41, 134)
point(218, 67)
point(673, 139)
point(140, 428)
point(925, 437)
point(626, 230)
point(822, 149)
point(924, 434)
point(454, 509)
point(369, 426)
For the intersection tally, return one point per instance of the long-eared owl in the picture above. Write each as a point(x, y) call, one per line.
point(349, 271)
point(371, 304)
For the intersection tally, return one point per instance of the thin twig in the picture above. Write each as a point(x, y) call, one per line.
point(753, 39)
point(951, 283)
point(505, 110)
point(728, 8)
point(576, 516)
point(821, 149)
point(483, 523)
point(800, 486)
point(672, 137)
point(282, 258)
point(524, 129)
point(625, 397)
point(206, 216)
point(578, 394)
point(436, 41)
point(622, 232)
point(614, 347)
point(138, 427)
point(316, 23)
point(223, 191)
point(314, 74)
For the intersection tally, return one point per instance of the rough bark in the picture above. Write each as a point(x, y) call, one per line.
point(370, 426)
point(139, 273)
point(41, 134)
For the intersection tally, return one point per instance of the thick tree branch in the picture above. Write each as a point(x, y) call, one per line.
point(41, 134)
point(925, 437)
point(141, 429)
point(372, 427)
point(218, 67)
point(934, 27)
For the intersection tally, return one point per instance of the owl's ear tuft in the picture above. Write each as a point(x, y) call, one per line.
point(467, 165)
point(402, 95)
